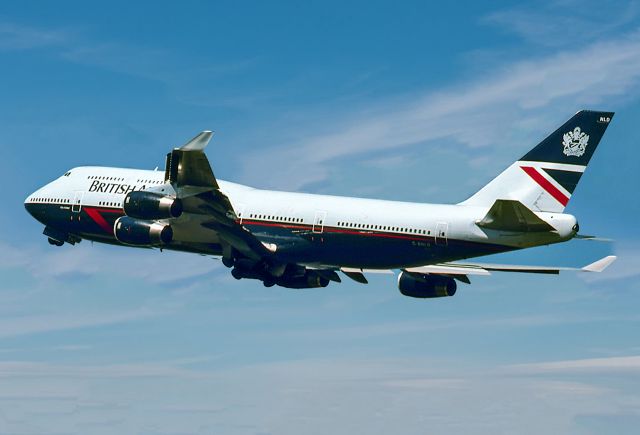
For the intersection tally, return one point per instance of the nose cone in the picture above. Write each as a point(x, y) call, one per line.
point(34, 207)
point(29, 206)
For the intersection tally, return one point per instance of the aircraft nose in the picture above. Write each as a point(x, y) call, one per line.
point(35, 206)
point(29, 205)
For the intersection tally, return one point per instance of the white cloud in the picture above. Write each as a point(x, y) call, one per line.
point(341, 396)
point(627, 265)
point(432, 325)
point(488, 111)
point(151, 265)
point(17, 37)
point(12, 369)
point(11, 326)
point(565, 22)
point(609, 364)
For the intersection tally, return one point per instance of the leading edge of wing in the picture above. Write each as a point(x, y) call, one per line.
point(486, 269)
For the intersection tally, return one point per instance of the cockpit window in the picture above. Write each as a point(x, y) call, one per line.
point(67, 174)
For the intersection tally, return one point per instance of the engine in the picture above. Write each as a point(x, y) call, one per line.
point(426, 286)
point(138, 232)
point(149, 205)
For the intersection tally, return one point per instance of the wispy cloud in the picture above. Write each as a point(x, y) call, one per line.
point(14, 37)
point(609, 364)
point(155, 63)
point(542, 92)
point(290, 397)
point(140, 370)
point(12, 326)
point(88, 259)
point(627, 265)
point(442, 324)
point(566, 22)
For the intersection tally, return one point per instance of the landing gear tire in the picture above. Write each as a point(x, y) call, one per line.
point(228, 261)
point(236, 274)
point(268, 282)
point(55, 242)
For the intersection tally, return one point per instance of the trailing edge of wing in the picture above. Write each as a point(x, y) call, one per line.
point(358, 274)
point(449, 269)
point(354, 269)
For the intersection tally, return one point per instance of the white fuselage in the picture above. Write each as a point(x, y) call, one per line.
point(100, 192)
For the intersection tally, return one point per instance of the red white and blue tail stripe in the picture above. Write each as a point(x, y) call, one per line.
point(546, 177)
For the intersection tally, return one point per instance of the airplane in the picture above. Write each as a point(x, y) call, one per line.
point(300, 240)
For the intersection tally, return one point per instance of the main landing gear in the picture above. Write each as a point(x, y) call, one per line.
point(56, 237)
point(55, 242)
point(228, 261)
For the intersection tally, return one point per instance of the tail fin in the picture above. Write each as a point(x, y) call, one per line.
point(545, 178)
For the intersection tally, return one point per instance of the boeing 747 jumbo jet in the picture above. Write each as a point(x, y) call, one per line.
point(299, 240)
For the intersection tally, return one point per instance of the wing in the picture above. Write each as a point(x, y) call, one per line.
point(461, 271)
point(190, 174)
point(486, 269)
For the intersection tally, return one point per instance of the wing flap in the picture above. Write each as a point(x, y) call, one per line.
point(449, 269)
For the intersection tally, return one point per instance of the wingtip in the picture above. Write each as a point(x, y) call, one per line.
point(199, 142)
point(600, 265)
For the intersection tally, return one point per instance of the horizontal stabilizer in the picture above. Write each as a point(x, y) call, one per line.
point(600, 265)
point(592, 238)
point(511, 215)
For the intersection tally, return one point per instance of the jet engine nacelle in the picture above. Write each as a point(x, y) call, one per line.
point(149, 205)
point(138, 232)
point(426, 286)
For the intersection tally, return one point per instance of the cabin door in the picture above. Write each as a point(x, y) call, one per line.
point(318, 221)
point(442, 228)
point(76, 205)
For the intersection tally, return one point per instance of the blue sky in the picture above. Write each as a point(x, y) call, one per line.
point(412, 101)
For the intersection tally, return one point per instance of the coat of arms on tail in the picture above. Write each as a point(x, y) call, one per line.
point(575, 142)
